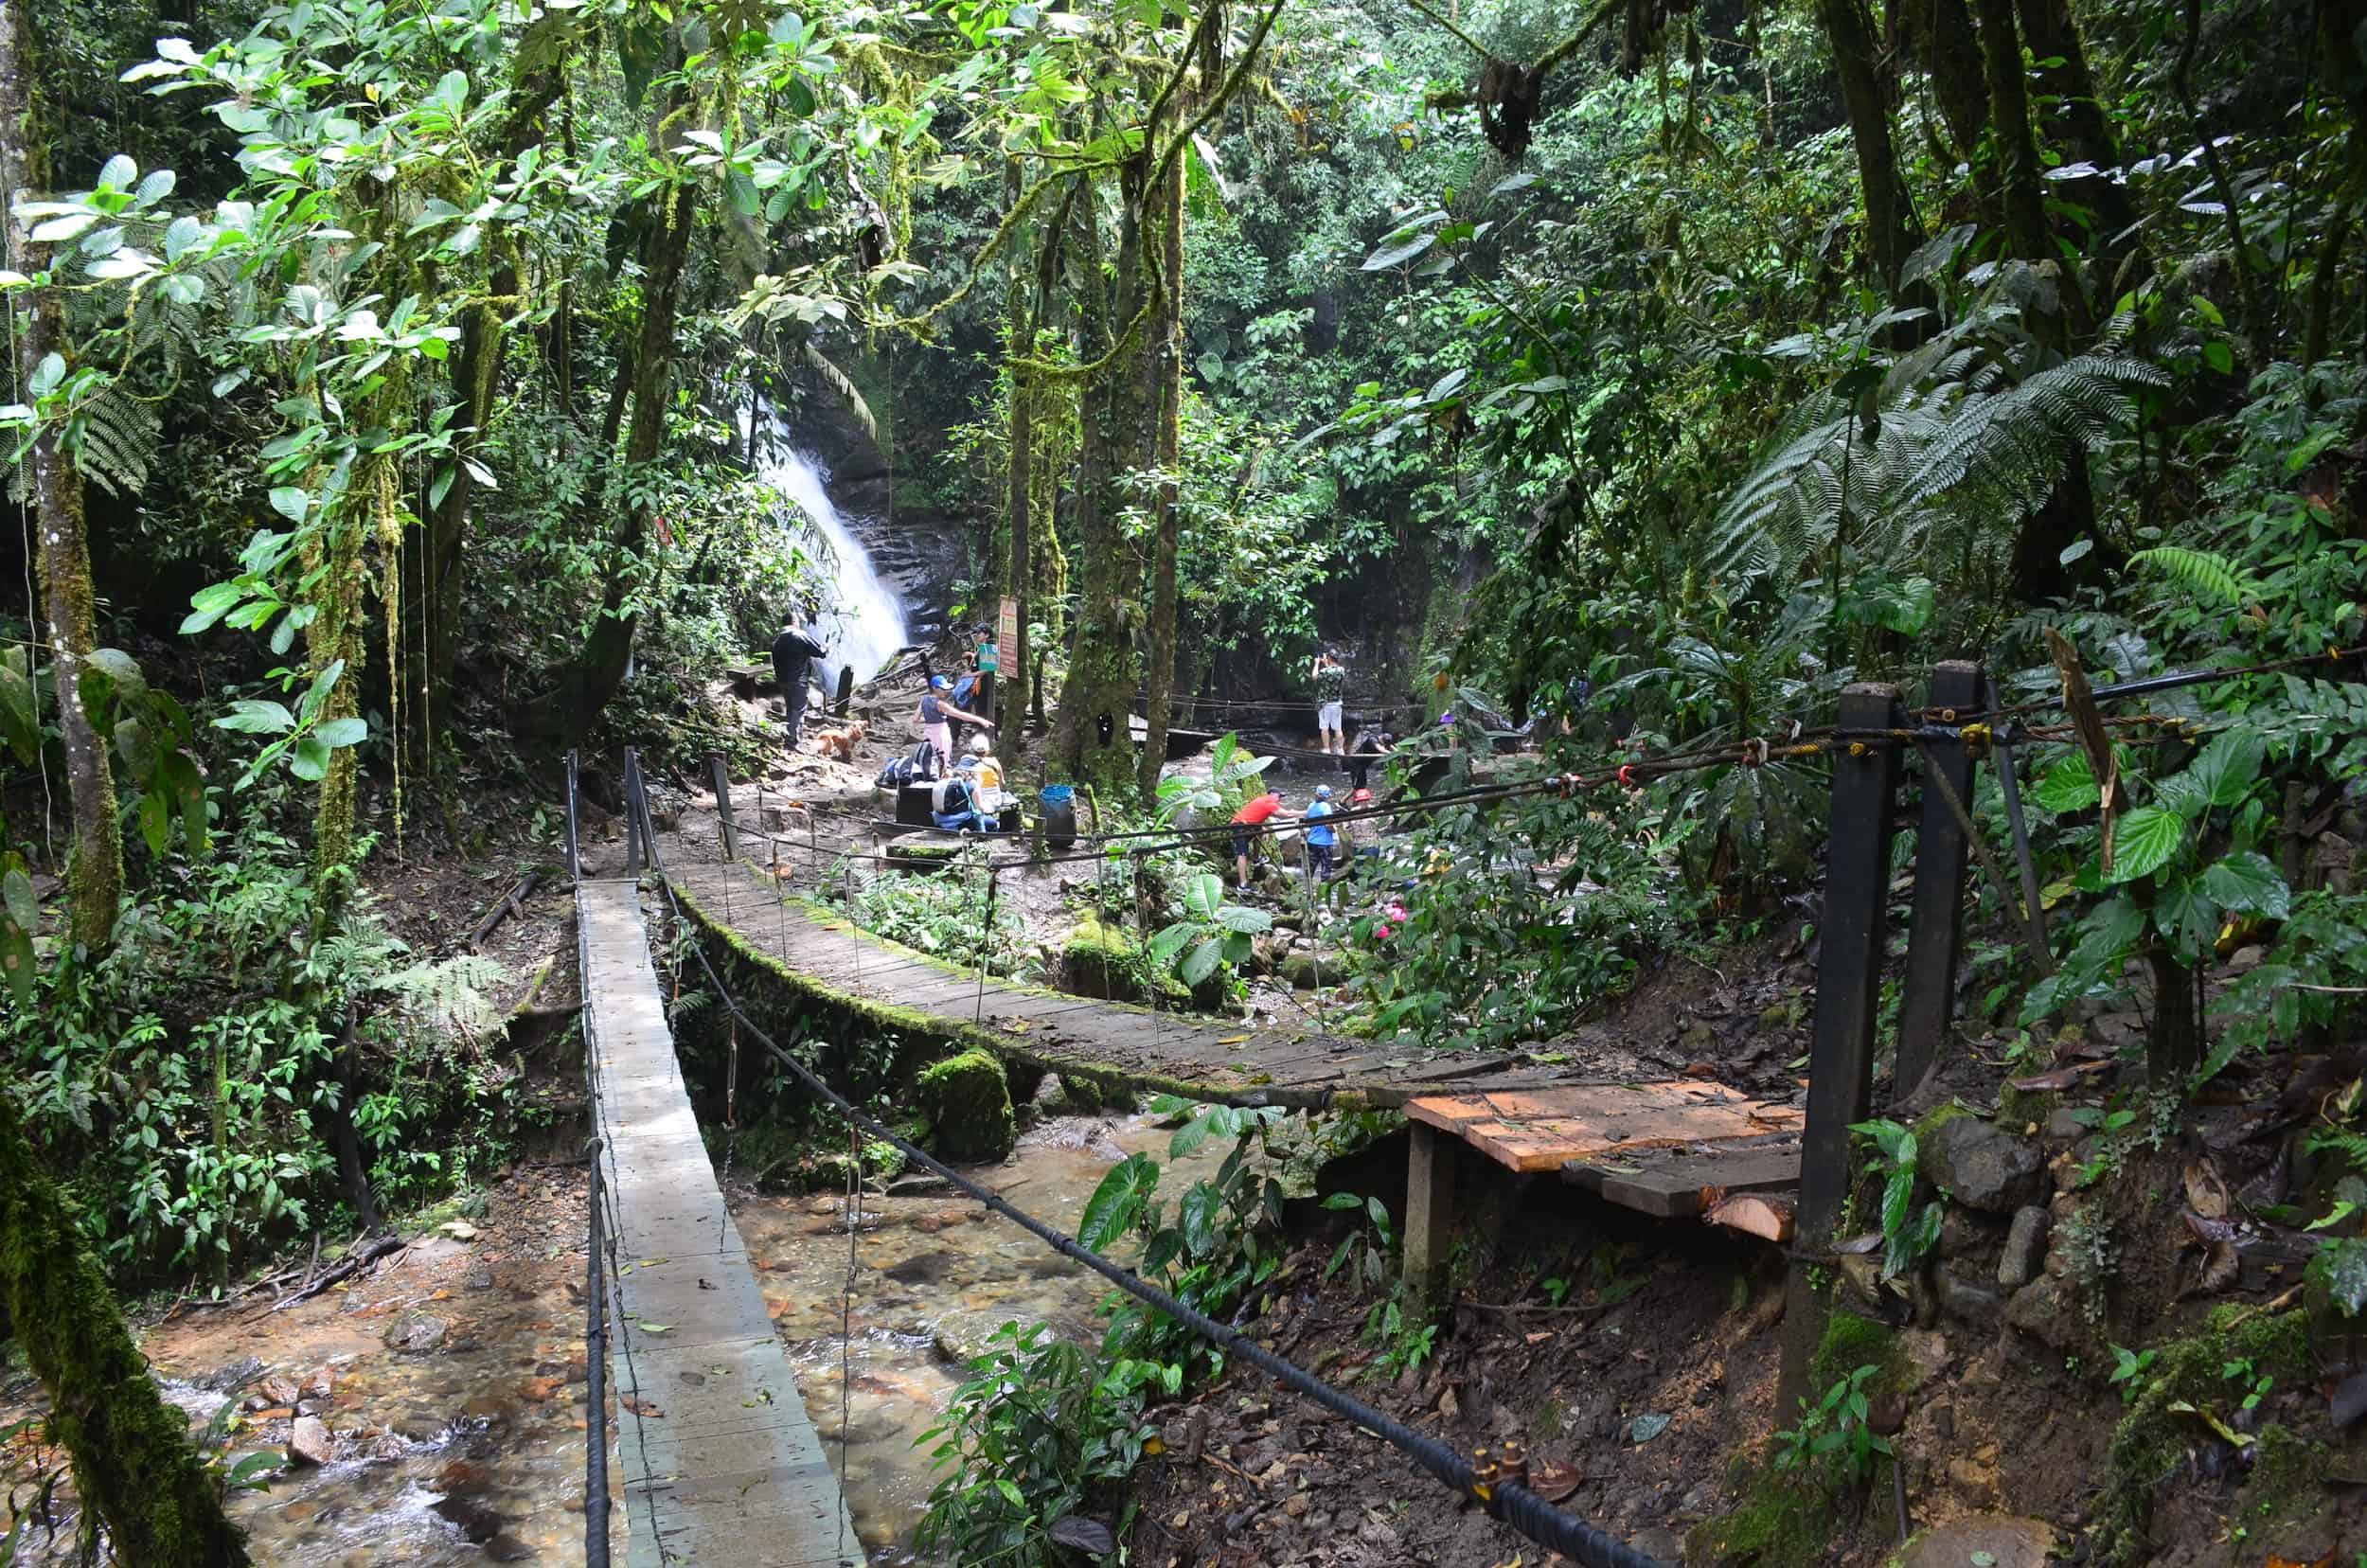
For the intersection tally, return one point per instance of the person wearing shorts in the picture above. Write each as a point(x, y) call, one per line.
point(938, 714)
point(1248, 823)
point(1332, 686)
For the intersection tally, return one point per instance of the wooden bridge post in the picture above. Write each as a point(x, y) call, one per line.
point(1429, 1216)
point(722, 780)
point(1848, 994)
point(1936, 925)
point(632, 811)
point(575, 851)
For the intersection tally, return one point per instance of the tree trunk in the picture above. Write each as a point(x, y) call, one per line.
point(438, 561)
point(1950, 52)
point(1166, 371)
point(599, 669)
point(2174, 1046)
point(54, 489)
point(1089, 737)
point(1892, 231)
point(133, 1467)
point(2053, 33)
point(2018, 153)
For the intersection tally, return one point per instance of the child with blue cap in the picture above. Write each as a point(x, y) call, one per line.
point(1321, 837)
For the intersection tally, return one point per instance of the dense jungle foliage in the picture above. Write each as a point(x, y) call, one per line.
point(387, 382)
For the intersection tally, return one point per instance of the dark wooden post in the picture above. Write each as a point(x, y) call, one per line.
point(1429, 1216)
point(1848, 993)
point(575, 851)
point(633, 812)
point(721, 781)
point(1935, 929)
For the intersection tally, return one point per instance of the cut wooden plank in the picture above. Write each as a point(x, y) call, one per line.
point(1765, 1215)
point(1546, 1128)
point(1670, 1185)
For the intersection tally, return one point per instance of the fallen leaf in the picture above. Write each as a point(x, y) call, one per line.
point(1699, 1070)
point(1089, 1536)
point(1644, 1427)
point(1449, 1406)
point(2275, 1562)
point(2234, 1437)
point(1985, 1560)
point(1537, 1338)
point(1553, 1480)
point(1234, 1040)
point(2206, 1192)
point(2064, 1078)
point(655, 1328)
point(642, 1407)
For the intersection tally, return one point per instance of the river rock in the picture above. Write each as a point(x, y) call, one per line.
point(319, 1383)
point(1983, 1167)
point(418, 1333)
point(309, 1442)
point(236, 1376)
point(1991, 1539)
point(1300, 968)
point(2026, 1248)
point(1965, 1301)
point(277, 1391)
point(2047, 1310)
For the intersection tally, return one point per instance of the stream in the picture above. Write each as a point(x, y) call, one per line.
point(453, 1373)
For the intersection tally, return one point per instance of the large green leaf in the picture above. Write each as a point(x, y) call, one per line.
point(1110, 1213)
point(1199, 1213)
point(2226, 768)
point(1204, 895)
point(1243, 921)
point(2148, 839)
point(17, 726)
point(2187, 914)
point(1201, 962)
point(2247, 881)
point(2068, 786)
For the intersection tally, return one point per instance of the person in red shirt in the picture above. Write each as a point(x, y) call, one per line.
point(1258, 813)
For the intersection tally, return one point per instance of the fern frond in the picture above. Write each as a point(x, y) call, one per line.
point(452, 997)
point(114, 438)
point(839, 383)
point(2204, 572)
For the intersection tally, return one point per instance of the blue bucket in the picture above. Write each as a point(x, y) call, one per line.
point(1059, 815)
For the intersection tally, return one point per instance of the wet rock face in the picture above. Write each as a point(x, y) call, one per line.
point(918, 553)
point(418, 1333)
point(1982, 1166)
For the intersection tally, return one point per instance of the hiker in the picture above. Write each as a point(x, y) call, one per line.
point(794, 654)
point(955, 804)
point(1331, 684)
point(964, 687)
point(1371, 744)
point(938, 714)
point(1248, 821)
point(992, 796)
point(1321, 836)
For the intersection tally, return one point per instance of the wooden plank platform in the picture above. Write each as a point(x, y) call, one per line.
point(1546, 1128)
point(1673, 1183)
point(717, 1462)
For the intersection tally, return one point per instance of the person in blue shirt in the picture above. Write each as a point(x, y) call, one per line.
point(1321, 837)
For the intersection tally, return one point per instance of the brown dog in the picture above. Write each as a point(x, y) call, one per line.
point(841, 743)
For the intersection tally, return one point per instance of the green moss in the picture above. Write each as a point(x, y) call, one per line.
point(133, 1462)
point(1851, 1342)
point(1778, 1524)
point(1937, 1118)
point(2154, 1438)
point(968, 1099)
point(2289, 1475)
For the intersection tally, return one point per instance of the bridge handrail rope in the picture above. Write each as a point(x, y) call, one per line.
point(1509, 1501)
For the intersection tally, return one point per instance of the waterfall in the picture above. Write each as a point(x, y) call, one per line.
point(863, 619)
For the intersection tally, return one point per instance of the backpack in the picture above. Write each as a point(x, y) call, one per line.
point(955, 807)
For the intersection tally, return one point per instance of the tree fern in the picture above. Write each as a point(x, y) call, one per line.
point(839, 383)
point(453, 997)
point(115, 437)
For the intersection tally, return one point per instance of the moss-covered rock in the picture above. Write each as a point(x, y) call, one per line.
point(2186, 1375)
point(1779, 1522)
point(969, 1100)
point(1851, 1342)
point(1102, 960)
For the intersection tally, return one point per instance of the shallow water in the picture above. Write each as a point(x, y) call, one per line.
point(933, 1277)
point(468, 1452)
point(472, 1452)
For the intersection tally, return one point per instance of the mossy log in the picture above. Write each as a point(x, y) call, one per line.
point(133, 1466)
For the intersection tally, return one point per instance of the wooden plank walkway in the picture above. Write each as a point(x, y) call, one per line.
point(1210, 1059)
point(720, 1466)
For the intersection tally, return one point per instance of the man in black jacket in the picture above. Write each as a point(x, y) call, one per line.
point(793, 655)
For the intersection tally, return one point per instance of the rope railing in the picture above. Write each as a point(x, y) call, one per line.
point(1509, 1501)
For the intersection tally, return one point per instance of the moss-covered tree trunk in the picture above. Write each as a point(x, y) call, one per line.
point(436, 566)
point(95, 877)
point(133, 1462)
point(600, 667)
point(1892, 231)
point(1167, 372)
point(1090, 738)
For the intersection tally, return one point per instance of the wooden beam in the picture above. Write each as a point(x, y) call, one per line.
point(1428, 1215)
point(1936, 928)
point(1848, 994)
